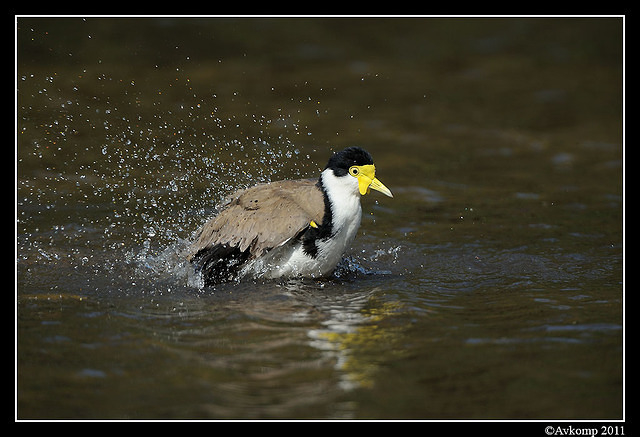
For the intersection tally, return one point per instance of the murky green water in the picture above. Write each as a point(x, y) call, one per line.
point(489, 287)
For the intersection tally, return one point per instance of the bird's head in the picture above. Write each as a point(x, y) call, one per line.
point(357, 163)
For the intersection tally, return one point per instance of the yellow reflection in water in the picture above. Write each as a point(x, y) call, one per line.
point(359, 340)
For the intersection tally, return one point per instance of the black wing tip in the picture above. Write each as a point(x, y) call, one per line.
point(219, 263)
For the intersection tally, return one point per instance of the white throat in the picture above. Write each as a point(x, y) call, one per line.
point(345, 202)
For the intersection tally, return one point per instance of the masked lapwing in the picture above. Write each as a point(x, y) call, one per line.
point(287, 228)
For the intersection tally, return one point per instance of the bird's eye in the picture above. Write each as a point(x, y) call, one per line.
point(353, 171)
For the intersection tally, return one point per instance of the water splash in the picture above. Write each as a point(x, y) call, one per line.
point(113, 172)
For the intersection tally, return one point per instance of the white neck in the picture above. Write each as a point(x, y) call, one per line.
point(345, 201)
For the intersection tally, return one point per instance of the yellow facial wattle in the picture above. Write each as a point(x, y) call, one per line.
point(366, 175)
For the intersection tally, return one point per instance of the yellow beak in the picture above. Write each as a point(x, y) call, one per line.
point(367, 179)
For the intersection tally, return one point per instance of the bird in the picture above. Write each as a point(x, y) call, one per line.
point(288, 228)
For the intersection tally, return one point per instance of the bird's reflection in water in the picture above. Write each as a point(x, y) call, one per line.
point(351, 332)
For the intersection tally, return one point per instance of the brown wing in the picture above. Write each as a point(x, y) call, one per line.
point(263, 217)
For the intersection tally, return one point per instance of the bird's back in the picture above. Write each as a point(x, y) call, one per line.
point(255, 220)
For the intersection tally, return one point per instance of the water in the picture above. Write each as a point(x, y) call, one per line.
point(489, 287)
